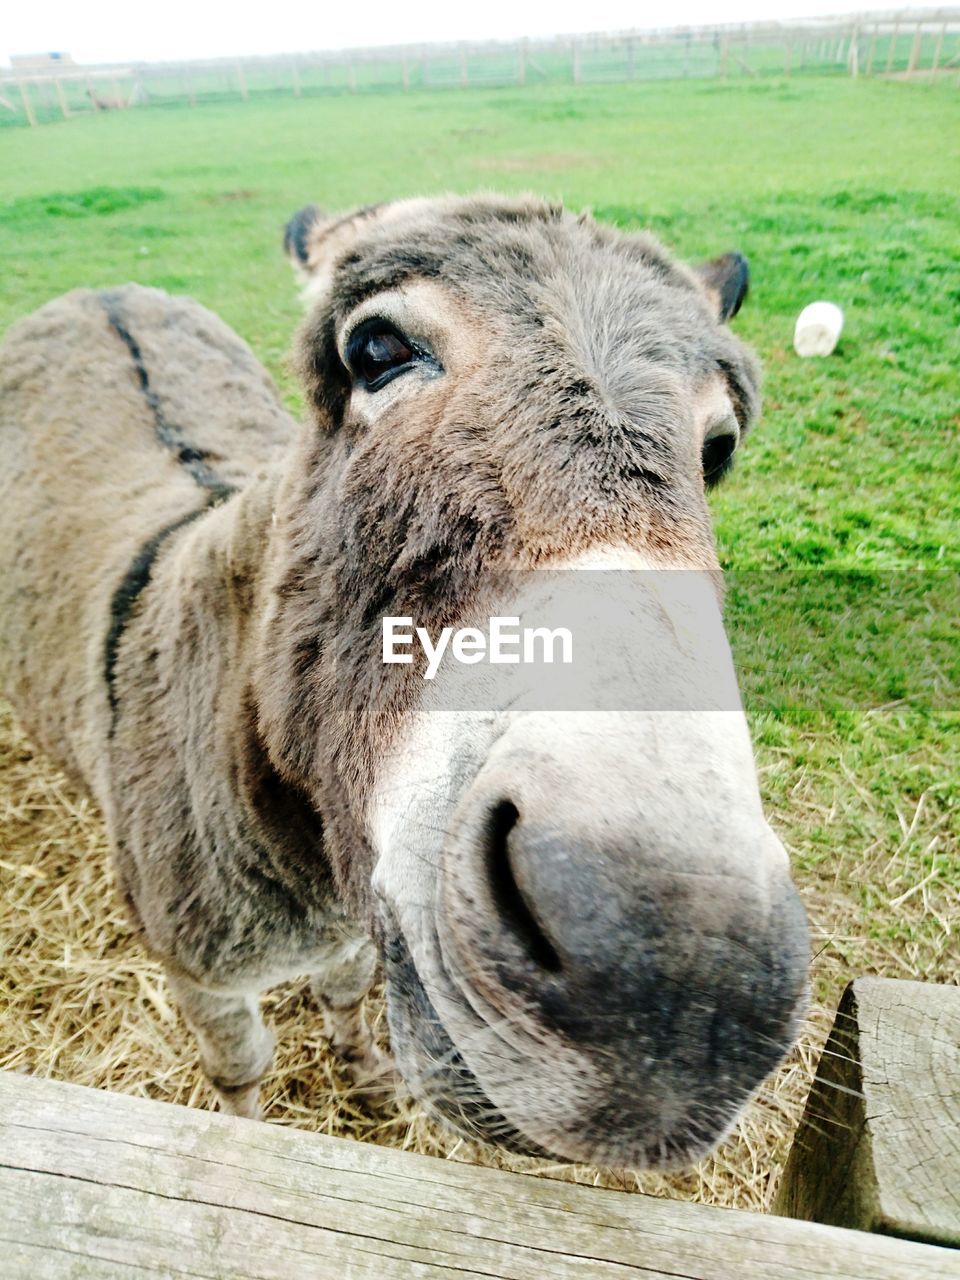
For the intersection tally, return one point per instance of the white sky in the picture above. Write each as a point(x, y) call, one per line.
point(128, 30)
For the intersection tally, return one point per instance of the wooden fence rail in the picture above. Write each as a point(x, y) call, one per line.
point(921, 43)
point(96, 1184)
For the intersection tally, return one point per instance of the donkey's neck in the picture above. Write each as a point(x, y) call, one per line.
point(217, 585)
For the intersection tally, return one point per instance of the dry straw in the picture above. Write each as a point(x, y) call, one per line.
point(82, 1002)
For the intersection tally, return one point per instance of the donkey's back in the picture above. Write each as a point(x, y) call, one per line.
point(161, 412)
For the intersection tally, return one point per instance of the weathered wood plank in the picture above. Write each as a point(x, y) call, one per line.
point(99, 1184)
point(879, 1146)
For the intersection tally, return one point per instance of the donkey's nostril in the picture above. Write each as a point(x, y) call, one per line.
point(512, 907)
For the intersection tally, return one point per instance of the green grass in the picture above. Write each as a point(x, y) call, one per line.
point(834, 189)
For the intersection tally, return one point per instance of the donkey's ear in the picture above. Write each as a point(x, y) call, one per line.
point(297, 233)
point(726, 280)
point(313, 239)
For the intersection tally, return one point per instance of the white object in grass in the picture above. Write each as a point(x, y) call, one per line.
point(818, 329)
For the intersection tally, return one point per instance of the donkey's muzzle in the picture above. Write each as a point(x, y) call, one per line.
point(676, 973)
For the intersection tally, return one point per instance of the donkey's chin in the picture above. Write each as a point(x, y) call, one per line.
point(433, 1067)
point(617, 1125)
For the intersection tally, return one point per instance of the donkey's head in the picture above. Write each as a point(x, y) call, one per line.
point(591, 943)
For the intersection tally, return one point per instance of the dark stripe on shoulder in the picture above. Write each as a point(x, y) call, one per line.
point(193, 460)
point(135, 581)
point(168, 434)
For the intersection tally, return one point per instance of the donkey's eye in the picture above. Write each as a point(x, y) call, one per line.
point(376, 352)
point(718, 449)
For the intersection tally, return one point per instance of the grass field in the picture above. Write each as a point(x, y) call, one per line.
point(839, 526)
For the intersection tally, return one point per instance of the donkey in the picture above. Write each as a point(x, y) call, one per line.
point(590, 942)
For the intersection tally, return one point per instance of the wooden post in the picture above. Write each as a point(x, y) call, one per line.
point(27, 104)
point(576, 62)
point(242, 81)
point(873, 49)
point(891, 52)
point(915, 50)
point(878, 1148)
point(522, 63)
point(62, 97)
point(854, 55)
point(742, 60)
point(124, 1188)
point(938, 50)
